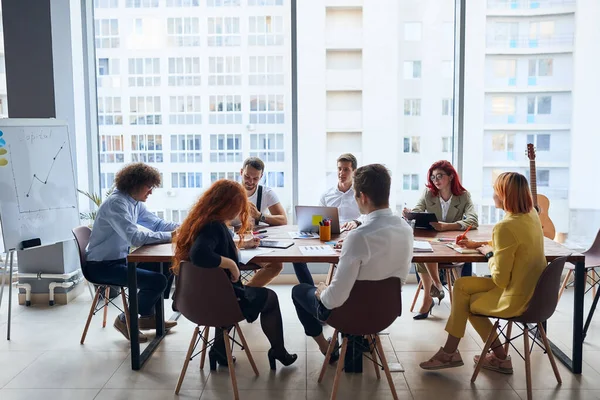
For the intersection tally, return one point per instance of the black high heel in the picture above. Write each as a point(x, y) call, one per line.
point(286, 360)
point(425, 314)
point(215, 357)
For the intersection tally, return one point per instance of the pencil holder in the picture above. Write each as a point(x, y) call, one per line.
point(325, 233)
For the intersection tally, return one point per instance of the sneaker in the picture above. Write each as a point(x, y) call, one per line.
point(149, 323)
point(493, 363)
point(122, 327)
point(443, 360)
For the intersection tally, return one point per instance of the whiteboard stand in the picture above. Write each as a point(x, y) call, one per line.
point(9, 253)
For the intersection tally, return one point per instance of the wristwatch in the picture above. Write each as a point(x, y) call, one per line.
point(358, 223)
point(262, 217)
point(489, 255)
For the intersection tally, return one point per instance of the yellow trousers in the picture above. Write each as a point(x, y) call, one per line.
point(466, 291)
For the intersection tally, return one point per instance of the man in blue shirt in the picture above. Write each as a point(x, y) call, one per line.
point(116, 230)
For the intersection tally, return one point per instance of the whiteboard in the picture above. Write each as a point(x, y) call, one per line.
point(38, 196)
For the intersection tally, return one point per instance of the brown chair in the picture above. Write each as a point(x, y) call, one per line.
point(372, 307)
point(82, 237)
point(540, 309)
point(450, 270)
point(205, 297)
point(592, 261)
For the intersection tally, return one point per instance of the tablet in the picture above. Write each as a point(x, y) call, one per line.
point(422, 219)
point(275, 244)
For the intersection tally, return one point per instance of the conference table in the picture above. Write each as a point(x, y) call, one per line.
point(163, 254)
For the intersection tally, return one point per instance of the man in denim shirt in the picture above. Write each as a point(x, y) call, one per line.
point(116, 230)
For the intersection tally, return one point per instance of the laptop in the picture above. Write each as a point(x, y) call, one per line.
point(422, 219)
point(308, 218)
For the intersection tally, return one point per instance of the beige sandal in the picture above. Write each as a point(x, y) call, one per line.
point(443, 360)
point(493, 363)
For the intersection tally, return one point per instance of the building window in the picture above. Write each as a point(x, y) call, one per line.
point(223, 3)
point(185, 110)
point(266, 109)
point(232, 176)
point(447, 69)
point(491, 215)
point(506, 33)
point(178, 216)
point(412, 107)
point(410, 182)
point(108, 71)
point(224, 32)
point(182, 180)
point(226, 148)
point(106, 33)
point(541, 30)
point(106, 3)
point(540, 67)
point(107, 180)
point(186, 148)
point(109, 111)
point(141, 3)
point(274, 179)
point(265, 2)
point(447, 107)
point(225, 71)
point(146, 148)
point(183, 32)
point(505, 68)
point(225, 109)
point(111, 149)
point(543, 177)
point(184, 71)
point(412, 31)
point(539, 105)
point(541, 141)
point(504, 142)
point(159, 213)
point(145, 110)
point(266, 71)
point(503, 105)
point(446, 144)
point(267, 146)
point(412, 69)
point(144, 72)
point(412, 144)
point(183, 3)
point(265, 30)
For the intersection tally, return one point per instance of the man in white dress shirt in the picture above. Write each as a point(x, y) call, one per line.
point(380, 248)
point(342, 194)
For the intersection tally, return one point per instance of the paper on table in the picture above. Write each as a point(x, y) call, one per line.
point(462, 250)
point(303, 235)
point(248, 254)
point(317, 251)
point(422, 247)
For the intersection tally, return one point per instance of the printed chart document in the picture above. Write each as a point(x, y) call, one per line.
point(317, 251)
point(303, 235)
point(462, 250)
point(420, 246)
point(248, 254)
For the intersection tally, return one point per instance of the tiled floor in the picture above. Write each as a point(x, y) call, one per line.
point(44, 360)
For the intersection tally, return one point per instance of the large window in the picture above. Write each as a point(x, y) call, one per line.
point(186, 148)
point(183, 32)
point(266, 109)
point(145, 110)
point(146, 148)
point(184, 71)
point(185, 110)
point(112, 149)
point(144, 72)
point(226, 148)
point(225, 71)
point(224, 31)
point(225, 109)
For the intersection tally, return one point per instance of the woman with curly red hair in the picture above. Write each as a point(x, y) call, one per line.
point(206, 241)
point(451, 203)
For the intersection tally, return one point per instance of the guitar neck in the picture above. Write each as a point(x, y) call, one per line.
point(533, 182)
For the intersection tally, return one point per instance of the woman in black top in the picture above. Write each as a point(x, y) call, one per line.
point(206, 241)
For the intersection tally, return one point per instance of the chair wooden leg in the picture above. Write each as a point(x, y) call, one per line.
point(90, 315)
point(527, 361)
point(328, 355)
point(188, 356)
point(338, 370)
point(247, 349)
point(205, 333)
point(106, 296)
point(449, 281)
point(125, 307)
point(236, 394)
point(372, 347)
point(412, 306)
point(386, 368)
point(330, 274)
point(549, 352)
point(508, 333)
point(455, 274)
point(486, 349)
point(564, 284)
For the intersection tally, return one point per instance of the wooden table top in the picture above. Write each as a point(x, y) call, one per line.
point(441, 253)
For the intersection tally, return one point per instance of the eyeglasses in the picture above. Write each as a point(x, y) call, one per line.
point(437, 177)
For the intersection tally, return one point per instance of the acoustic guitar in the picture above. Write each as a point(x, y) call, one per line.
point(540, 202)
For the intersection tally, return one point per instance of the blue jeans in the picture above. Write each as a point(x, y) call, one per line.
point(310, 310)
point(303, 274)
point(150, 282)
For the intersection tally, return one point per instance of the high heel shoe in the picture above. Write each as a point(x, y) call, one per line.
point(335, 355)
point(286, 359)
point(219, 357)
point(425, 314)
point(435, 292)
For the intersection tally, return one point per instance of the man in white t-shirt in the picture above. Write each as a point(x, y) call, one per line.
point(266, 208)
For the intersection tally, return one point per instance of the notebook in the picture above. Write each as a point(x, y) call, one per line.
point(462, 250)
point(422, 247)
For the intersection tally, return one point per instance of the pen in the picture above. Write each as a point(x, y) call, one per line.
point(261, 231)
point(461, 237)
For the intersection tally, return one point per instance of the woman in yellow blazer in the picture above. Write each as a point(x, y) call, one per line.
point(516, 260)
point(451, 203)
